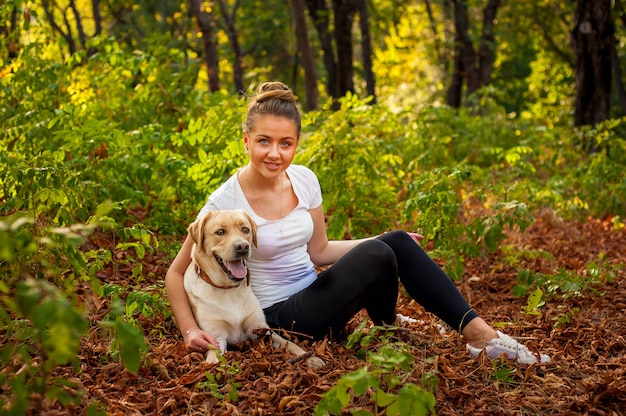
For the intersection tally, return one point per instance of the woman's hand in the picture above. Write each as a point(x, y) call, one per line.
point(197, 340)
point(416, 237)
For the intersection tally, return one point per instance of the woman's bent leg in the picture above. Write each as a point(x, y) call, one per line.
point(427, 283)
point(365, 277)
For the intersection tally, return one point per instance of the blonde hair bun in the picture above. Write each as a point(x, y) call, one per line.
point(273, 90)
point(273, 98)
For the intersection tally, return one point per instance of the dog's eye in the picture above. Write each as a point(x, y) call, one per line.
point(245, 230)
point(221, 231)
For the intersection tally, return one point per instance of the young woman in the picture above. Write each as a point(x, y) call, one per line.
point(286, 202)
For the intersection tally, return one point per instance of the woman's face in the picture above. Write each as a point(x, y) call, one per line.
point(271, 144)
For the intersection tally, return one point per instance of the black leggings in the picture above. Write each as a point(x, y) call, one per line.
point(367, 277)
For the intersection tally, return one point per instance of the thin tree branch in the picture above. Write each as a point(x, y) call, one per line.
point(79, 24)
point(433, 28)
point(56, 27)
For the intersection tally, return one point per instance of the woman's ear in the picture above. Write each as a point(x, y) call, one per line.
point(245, 141)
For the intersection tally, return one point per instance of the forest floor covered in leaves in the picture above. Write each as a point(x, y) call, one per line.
point(587, 374)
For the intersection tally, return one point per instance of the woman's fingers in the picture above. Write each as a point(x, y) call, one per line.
point(416, 237)
point(200, 341)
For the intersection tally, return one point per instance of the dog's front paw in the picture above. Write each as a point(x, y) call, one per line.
point(211, 357)
point(213, 354)
point(315, 362)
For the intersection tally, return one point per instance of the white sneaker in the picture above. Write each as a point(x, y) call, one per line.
point(403, 319)
point(514, 350)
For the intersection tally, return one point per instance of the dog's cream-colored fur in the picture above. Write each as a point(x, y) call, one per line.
point(217, 282)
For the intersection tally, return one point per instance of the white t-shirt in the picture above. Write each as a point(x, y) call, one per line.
point(280, 266)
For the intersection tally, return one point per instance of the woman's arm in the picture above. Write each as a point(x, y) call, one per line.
point(195, 338)
point(322, 251)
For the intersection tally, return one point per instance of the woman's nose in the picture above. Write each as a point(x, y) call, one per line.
point(274, 150)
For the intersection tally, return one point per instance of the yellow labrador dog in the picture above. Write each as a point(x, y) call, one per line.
point(217, 282)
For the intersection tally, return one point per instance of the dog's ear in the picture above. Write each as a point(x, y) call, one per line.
point(196, 229)
point(252, 229)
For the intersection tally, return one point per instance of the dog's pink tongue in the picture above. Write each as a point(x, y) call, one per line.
point(238, 269)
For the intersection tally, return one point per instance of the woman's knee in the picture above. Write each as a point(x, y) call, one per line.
point(376, 255)
point(378, 251)
point(404, 247)
point(396, 237)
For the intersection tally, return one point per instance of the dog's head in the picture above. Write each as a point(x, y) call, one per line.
point(223, 242)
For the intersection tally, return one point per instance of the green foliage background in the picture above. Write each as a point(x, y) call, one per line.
point(124, 142)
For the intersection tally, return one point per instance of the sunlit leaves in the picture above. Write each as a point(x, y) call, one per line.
point(384, 381)
point(535, 302)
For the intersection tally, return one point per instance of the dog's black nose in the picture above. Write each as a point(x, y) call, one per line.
point(242, 248)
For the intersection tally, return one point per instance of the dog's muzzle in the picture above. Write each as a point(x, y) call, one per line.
point(236, 270)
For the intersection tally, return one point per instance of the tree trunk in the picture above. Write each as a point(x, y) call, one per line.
point(473, 69)
point(344, 17)
point(455, 91)
point(79, 24)
point(320, 16)
point(206, 26)
point(486, 52)
point(617, 70)
point(306, 53)
point(592, 36)
point(233, 39)
point(464, 69)
point(95, 5)
point(368, 73)
point(11, 32)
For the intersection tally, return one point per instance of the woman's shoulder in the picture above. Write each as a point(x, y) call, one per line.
point(306, 185)
point(302, 172)
point(226, 194)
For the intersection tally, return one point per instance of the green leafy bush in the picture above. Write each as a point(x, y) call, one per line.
point(43, 326)
point(358, 163)
point(383, 380)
